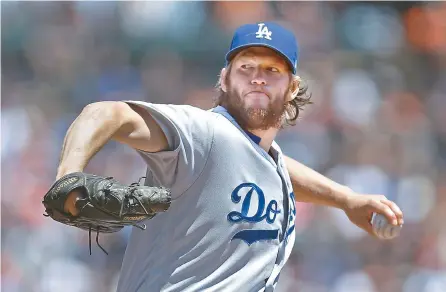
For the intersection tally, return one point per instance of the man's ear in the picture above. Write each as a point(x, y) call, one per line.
point(222, 80)
point(294, 88)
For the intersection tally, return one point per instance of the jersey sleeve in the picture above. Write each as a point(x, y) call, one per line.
point(190, 134)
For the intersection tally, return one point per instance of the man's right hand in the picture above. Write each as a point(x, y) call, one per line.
point(70, 203)
point(103, 204)
point(73, 197)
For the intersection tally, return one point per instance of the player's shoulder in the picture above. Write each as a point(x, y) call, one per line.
point(193, 112)
point(196, 113)
point(182, 115)
point(172, 108)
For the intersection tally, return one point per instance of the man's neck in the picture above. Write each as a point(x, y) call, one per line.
point(266, 137)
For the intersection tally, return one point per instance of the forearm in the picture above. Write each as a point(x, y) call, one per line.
point(312, 187)
point(91, 130)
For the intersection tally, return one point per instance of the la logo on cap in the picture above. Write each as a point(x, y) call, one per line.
point(263, 32)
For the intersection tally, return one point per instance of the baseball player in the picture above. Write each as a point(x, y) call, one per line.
point(230, 224)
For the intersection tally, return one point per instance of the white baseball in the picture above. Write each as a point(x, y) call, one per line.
point(383, 228)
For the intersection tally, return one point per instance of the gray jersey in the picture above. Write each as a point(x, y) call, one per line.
point(230, 226)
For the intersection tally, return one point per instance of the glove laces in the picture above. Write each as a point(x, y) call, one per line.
point(97, 240)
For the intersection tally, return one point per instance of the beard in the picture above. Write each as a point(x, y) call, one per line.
point(250, 118)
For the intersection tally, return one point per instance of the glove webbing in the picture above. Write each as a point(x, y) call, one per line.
point(127, 196)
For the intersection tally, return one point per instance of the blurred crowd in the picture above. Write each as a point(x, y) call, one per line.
point(377, 71)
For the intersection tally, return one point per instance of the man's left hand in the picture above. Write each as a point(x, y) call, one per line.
point(359, 208)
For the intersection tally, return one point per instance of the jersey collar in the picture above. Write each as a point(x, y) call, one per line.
point(274, 152)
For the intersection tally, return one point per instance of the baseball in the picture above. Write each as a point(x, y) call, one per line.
point(383, 228)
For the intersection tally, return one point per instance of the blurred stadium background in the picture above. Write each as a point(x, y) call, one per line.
point(378, 124)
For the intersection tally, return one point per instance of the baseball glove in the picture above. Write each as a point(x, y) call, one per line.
point(106, 205)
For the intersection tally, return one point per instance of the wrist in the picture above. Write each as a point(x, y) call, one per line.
point(64, 170)
point(344, 195)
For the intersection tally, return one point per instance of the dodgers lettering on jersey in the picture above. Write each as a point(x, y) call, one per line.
point(252, 235)
point(231, 222)
point(292, 216)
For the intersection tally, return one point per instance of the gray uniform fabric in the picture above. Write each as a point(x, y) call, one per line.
point(230, 226)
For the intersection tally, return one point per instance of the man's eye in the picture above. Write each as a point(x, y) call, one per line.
point(273, 69)
point(245, 66)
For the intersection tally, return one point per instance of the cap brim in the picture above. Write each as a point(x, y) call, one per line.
point(231, 54)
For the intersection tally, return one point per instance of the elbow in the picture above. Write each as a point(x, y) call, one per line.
point(107, 111)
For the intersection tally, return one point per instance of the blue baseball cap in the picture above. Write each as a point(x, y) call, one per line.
point(265, 34)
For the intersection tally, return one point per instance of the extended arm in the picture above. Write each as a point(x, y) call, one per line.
point(312, 187)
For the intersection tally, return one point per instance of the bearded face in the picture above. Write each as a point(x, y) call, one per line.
point(257, 89)
point(251, 114)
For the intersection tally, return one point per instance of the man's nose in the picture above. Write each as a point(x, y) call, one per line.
point(258, 78)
